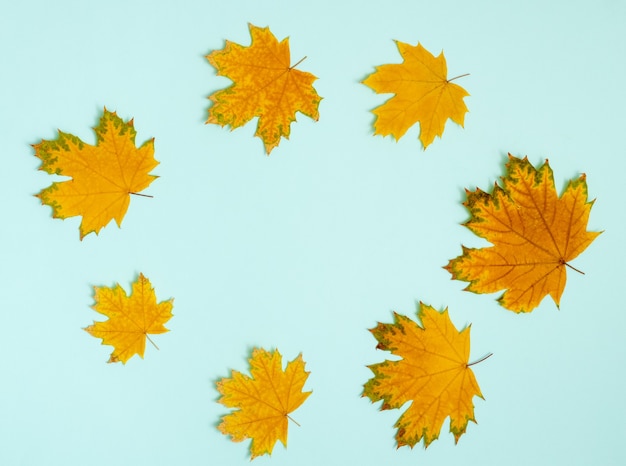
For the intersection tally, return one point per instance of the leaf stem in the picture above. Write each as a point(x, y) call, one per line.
point(288, 416)
point(139, 194)
point(480, 360)
point(301, 60)
point(574, 268)
point(459, 76)
point(150, 340)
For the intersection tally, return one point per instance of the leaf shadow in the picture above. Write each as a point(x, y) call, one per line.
point(213, 381)
point(213, 74)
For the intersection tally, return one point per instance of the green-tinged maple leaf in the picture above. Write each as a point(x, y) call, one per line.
point(102, 176)
point(265, 85)
point(433, 375)
point(535, 234)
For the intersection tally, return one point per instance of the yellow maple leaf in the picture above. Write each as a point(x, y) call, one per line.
point(103, 176)
point(433, 375)
point(423, 91)
point(535, 234)
point(131, 318)
point(263, 401)
point(266, 85)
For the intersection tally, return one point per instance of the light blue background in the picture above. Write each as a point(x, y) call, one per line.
point(306, 249)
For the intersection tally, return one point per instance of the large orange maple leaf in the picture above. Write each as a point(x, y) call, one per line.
point(263, 401)
point(423, 91)
point(433, 374)
point(103, 176)
point(131, 318)
point(265, 85)
point(535, 234)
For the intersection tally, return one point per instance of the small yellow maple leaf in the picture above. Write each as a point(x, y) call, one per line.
point(265, 85)
point(423, 91)
point(131, 318)
point(433, 375)
point(103, 176)
point(263, 401)
point(535, 234)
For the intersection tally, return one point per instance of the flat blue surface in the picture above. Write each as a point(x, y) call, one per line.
point(308, 248)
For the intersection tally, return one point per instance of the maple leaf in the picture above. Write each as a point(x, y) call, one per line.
point(535, 234)
point(263, 401)
point(103, 176)
point(433, 374)
point(423, 94)
point(131, 318)
point(265, 86)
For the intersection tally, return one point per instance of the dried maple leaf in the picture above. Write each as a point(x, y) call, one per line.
point(131, 318)
point(433, 374)
point(424, 94)
point(263, 401)
point(103, 176)
point(534, 235)
point(265, 85)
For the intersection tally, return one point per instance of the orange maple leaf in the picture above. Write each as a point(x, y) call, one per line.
point(424, 94)
point(433, 374)
point(103, 176)
point(131, 318)
point(263, 401)
point(265, 85)
point(535, 234)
